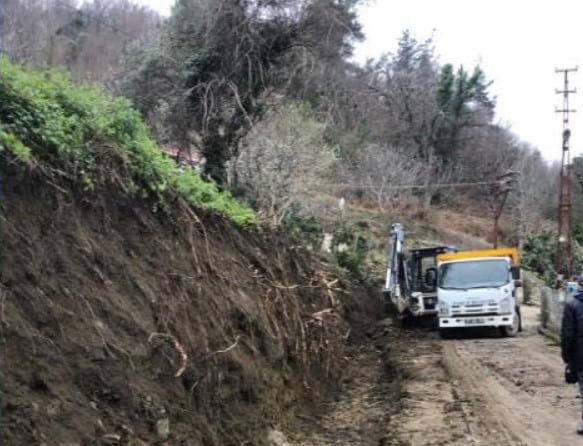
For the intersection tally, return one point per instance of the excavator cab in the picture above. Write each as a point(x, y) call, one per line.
point(431, 277)
point(423, 275)
point(411, 277)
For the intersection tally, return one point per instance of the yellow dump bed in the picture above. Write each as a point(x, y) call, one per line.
point(466, 255)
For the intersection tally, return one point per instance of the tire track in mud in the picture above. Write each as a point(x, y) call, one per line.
point(407, 398)
point(517, 384)
point(502, 391)
point(478, 389)
point(436, 408)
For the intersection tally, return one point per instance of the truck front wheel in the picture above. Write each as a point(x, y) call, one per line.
point(512, 330)
point(446, 333)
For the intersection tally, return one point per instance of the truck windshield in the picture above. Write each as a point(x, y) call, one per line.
point(474, 274)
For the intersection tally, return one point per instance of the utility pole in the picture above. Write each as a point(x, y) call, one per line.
point(564, 253)
point(502, 189)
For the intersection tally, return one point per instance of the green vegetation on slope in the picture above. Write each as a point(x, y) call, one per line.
point(539, 255)
point(47, 121)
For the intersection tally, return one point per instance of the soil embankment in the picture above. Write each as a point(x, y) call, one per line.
point(125, 326)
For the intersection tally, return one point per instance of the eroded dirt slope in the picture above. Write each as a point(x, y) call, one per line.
point(124, 326)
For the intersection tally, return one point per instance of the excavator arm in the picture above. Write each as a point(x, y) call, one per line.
point(396, 277)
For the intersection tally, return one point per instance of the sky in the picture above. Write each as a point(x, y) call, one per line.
point(517, 43)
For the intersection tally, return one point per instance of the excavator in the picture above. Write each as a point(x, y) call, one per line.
point(411, 279)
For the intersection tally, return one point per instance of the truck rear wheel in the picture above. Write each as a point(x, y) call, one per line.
point(512, 330)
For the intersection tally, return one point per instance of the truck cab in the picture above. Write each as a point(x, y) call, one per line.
point(479, 289)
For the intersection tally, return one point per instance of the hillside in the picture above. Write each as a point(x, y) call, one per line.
point(141, 306)
point(195, 230)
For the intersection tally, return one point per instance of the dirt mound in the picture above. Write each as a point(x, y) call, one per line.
point(125, 326)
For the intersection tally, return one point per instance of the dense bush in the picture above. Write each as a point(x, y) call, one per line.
point(305, 228)
point(48, 121)
point(539, 255)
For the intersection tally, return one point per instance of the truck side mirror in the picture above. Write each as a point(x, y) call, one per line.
point(517, 283)
point(515, 271)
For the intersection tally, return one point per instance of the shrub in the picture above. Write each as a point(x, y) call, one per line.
point(305, 228)
point(539, 254)
point(350, 248)
point(47, 120)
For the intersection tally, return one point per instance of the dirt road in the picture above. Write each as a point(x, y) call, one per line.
point(478, 389)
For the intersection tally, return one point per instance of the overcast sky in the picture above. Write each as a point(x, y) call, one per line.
point(518, 44)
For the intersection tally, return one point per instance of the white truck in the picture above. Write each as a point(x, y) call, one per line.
point(479, 289)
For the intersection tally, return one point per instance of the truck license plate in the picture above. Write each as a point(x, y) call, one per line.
point(474, 321)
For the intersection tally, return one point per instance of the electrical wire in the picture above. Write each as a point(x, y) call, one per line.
point(415, 186)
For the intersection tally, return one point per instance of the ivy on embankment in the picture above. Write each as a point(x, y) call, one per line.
point(48, 120)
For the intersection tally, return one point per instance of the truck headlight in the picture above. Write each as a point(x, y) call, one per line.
point(443, 308)
point(505, 306)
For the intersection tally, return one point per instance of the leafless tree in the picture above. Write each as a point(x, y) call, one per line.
point(284, 162)
point(88, 39)
point(388, 175)
point(536, 191)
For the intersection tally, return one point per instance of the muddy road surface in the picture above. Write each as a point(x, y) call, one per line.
point(409, 387)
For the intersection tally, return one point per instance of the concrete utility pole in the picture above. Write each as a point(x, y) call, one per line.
point(564, 252)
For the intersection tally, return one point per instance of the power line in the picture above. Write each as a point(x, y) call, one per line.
point(415, 186)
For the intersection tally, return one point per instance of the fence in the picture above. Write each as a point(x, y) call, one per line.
point(552, 302)
point(551, 309)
